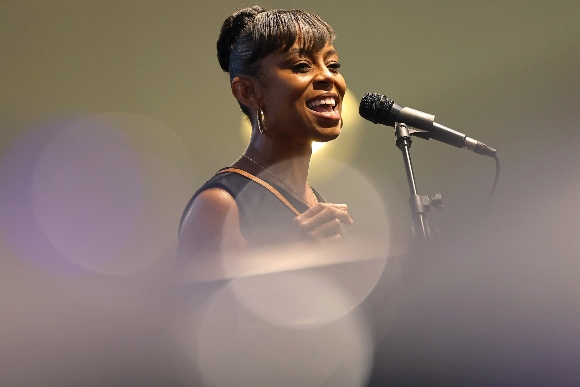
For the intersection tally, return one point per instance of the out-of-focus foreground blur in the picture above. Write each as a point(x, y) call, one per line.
point(112, 113)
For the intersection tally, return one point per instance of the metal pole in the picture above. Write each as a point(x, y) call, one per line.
point(416, 202)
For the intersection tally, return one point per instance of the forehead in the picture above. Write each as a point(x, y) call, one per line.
point(299, 50)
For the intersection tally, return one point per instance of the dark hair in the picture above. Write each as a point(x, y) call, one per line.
point(253, 33)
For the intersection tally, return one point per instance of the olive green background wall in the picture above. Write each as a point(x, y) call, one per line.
point(505, 73)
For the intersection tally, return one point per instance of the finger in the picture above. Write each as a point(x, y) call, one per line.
point(326, 230)
point(329, 214)
point(321, 207)
point(341, 213)
point(332, 239)
point(340, 210)
point(342, 207)
point(304, 220)
point(309, 213)
point(344, 216)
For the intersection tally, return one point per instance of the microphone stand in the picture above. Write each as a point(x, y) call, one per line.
point(420, 205)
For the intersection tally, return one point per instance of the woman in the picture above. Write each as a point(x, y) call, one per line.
point(284, 72)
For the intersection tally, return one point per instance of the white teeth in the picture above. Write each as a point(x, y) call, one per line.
point(324, 101)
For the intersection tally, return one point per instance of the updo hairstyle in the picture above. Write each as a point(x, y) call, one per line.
point(253, 33)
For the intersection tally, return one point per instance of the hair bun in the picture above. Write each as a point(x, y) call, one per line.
point(232, 28)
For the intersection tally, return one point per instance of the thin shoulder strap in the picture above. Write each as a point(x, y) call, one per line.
point(263, 184)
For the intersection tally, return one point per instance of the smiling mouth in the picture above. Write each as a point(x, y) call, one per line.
point(325, 105)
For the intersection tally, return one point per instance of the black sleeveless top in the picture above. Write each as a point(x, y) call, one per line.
point(264, 219)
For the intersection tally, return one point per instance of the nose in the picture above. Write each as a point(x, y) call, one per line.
point(324, 78)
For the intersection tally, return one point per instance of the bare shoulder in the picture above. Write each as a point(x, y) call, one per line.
point(212, 220)
point(211, 202)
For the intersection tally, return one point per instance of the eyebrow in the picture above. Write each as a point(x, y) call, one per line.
point(303, 52)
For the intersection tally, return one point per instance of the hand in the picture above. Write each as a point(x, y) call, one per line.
point(323, 221)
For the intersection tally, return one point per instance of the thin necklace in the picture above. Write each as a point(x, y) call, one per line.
point(283, 182)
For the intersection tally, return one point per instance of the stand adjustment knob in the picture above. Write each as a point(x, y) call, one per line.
point(437, 201)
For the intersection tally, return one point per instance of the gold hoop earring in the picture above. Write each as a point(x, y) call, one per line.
point(260, 121)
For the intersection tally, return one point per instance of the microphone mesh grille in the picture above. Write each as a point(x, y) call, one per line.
point(376, 108)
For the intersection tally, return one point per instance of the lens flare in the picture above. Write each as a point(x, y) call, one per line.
point(229, 345)
point(93, 191)
point(19, 225)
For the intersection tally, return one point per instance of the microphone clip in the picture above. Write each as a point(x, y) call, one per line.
point(421, 133)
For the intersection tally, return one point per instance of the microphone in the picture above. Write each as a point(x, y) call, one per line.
point(380, 110)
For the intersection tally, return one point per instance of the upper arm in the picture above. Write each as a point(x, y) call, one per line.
point(211, 225)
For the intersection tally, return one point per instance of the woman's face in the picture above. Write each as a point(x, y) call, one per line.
point(303, 94)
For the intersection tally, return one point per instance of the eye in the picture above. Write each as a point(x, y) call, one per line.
point(333, 67)
point(301, 67)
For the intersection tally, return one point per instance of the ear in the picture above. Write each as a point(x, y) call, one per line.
point(247, 90)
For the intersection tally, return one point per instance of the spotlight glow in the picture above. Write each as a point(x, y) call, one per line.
point(348, 135)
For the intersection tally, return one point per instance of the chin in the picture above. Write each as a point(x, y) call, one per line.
point(327, 134)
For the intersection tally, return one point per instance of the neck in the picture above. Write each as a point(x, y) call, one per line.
point(286, 160)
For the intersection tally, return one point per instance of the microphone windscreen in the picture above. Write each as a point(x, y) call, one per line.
point(377, 109)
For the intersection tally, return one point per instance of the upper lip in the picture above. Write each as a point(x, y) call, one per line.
point(321, 97)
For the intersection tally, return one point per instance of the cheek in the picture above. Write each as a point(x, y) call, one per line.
point(341, 85)
point(283, 105)
point(288, 96)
